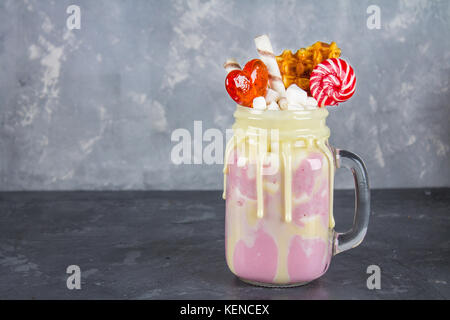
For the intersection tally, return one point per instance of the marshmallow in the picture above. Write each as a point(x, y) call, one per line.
point(259, 103)
point(310, 102)
point(283, 103)
point(296, 96)
point(271, 95)
point(273, 106)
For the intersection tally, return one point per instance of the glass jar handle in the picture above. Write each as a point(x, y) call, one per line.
point(352, 238)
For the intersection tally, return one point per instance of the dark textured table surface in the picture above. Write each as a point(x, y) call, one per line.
point(170, 245)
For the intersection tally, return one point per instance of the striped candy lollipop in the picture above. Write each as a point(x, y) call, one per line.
point(332, 81)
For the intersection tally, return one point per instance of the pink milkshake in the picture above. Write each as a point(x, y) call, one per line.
point(279, 168)
point(290, 240)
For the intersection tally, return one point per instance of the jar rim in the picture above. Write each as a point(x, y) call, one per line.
point(246, 112)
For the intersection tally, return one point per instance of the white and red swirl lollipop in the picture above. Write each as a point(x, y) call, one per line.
point(332, 81)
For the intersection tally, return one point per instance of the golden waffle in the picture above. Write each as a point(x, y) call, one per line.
point(296, 68)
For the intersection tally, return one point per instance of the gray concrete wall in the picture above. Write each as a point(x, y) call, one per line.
point(95, 108)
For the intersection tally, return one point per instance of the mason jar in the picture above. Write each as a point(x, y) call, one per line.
point(278, 185)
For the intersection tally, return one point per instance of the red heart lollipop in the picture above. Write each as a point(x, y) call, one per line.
point(246, 84)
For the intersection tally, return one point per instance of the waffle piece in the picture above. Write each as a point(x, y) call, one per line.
point(296, 68)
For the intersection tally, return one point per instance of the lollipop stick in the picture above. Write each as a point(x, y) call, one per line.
point(231, 64)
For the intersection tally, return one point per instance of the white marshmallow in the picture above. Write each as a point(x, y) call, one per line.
point(271, 95)
point(283, 103)
point(273, 106)
point(259, 103)
point(310, 102)
point(296, 95)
